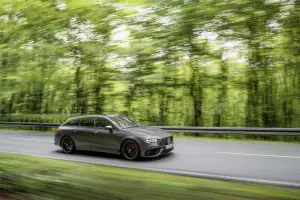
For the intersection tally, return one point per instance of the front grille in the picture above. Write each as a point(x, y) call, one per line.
point(166, 141)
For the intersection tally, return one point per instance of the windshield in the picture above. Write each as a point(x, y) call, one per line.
point(124, 121)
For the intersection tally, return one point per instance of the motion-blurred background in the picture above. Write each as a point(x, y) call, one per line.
point(219, 63)
point(180, 62)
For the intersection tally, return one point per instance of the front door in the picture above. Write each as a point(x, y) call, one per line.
point(105, 139)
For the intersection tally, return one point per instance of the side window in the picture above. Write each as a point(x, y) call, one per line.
point(87, 122)
point(101, 122)
point(70, 123)
point(76, 122)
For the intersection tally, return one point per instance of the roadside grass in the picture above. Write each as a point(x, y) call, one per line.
point(40, 178)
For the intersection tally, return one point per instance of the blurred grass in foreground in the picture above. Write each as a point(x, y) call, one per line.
point(40, 178)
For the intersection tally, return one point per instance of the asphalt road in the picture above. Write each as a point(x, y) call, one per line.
point(277, 164)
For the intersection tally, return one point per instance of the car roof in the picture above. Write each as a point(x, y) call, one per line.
point(105, 116)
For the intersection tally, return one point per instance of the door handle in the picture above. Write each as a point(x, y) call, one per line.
point(75, 130)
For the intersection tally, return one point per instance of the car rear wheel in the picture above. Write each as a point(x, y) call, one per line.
point(130, 150)
point(67, 145)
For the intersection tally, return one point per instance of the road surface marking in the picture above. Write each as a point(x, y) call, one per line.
point(262, 155)
point(31, 139)
point(177, 172)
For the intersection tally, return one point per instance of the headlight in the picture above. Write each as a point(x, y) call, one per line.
point(150, 141)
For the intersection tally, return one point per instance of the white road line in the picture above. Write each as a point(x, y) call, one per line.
point(31, 139)
point(177, 172)
point(262, 155)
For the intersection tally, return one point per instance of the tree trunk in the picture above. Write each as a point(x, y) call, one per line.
point(129, 98)
point(196, 92)
point(80, 105)
point(163, 107)
point(222, 97)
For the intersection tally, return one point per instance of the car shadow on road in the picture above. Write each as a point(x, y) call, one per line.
point(115, 156)
point(162, 157)
point(92, 154)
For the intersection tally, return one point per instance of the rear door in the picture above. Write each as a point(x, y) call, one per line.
point(82, 132)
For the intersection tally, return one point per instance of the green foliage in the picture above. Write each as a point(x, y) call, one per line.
point(194, 63)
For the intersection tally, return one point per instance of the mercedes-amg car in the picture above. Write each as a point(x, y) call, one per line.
point(116, 134)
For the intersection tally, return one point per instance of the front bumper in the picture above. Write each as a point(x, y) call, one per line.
point(155, 151)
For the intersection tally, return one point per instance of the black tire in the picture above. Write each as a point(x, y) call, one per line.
point(68, 145)
point(130, 150)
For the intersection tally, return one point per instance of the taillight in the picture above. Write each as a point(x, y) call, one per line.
point(56, 130)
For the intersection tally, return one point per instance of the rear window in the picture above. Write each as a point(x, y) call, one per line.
point(71, 122)
point(86, 122)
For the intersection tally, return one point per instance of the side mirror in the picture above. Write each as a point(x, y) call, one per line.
point(109, 128)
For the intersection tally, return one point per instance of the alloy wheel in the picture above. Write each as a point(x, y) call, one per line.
point(68, 145)
point(130, 150)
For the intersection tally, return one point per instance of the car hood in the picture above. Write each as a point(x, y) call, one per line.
point(147, 131)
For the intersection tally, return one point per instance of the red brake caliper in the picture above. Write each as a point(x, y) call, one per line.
point(134, 148)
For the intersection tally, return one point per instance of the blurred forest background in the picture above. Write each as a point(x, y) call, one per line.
point(179, 62)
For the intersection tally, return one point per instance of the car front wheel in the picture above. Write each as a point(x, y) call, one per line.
point(130, 150)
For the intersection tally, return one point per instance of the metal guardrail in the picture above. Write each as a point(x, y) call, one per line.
point(233, 130)
point(184, 129)
point(28, 124)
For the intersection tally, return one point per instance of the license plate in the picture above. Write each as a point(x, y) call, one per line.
point(169, 146)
